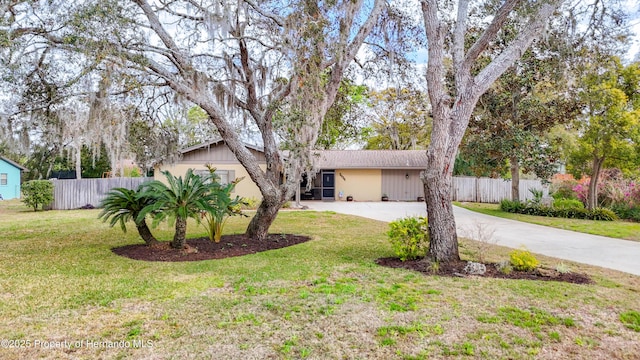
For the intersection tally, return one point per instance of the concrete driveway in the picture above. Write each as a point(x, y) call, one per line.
point(622, 255)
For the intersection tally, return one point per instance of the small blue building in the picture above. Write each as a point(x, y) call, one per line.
point(10, 179)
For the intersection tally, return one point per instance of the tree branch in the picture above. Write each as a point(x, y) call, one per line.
point(435, 61)
point(514, 50)
point(489, 33)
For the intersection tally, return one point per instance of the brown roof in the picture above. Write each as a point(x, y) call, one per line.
point(370, 159)
point(215, 142)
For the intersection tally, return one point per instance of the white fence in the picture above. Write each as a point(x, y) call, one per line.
point(73, 194)
point(487, 190)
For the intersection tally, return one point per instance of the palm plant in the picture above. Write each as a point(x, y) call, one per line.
point(122, 205)
point(223, 206)
point(177, 201)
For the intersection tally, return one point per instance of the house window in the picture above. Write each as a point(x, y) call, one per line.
point(3, 179)
point(225, 176)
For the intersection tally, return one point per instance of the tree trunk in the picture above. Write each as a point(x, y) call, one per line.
point(181, 233)
point(443, 240)
point(78, 161)
point(592, 196)
point(146, 234)
point(515, 179)
point(267, 212)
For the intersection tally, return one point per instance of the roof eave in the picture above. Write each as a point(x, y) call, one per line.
point(11, 162)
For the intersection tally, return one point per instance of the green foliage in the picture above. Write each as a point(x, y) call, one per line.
point(131, 172)
point(409, 237)
point(628, 212)
point(340, 123)
point(523, 260)
point(631, 319)
point(401, 119)
point(250, 203)
point(512, 121)
point(537, 196)
point(564, 190)
point(562, 203)
point(609, 133)
point(517, 207)
point(122, 205)
point(602, 214)
point(195, 128)
point(504, 267)
point(37, 193)
point(177, 201)
point(221, 205)
point(93, 164)
point(512, 206)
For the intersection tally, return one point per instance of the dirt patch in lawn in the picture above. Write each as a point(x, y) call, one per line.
point(205, 249)
point(456, 268)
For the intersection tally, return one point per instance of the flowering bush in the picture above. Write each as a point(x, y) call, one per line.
point(620, 194)
point(581, 191)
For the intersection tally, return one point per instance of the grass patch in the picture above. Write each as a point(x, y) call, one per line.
point(615, 229)
point(532, 319)
point(326, 298)
point(631, 319)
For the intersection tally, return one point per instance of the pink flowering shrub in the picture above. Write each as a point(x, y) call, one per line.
point(614, 191)
point(581, 191)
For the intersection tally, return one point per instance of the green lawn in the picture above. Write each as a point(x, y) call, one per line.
point(64, 294)
point(615, 229)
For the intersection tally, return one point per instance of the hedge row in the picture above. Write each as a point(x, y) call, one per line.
point(518, 207)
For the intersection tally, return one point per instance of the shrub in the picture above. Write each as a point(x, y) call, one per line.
point(409, 237)
point(568, 204)
point(504, 267)
point(250, 203)
point(564, 190)
point(523, 260)
point(537, 196)
point(563, 268)
point(581, 191)
point(512, 206)
point(37, 193)
point(220, 205)
point(602, 214)
point(517, 207)
point(624, 211)
point(122, 205)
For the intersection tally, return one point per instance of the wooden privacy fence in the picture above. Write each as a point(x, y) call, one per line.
point(73, 194)
point(487, 190)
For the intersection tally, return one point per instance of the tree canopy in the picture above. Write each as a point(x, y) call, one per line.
point(610, 127)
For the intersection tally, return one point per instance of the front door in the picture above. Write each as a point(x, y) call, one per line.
point(328, 185)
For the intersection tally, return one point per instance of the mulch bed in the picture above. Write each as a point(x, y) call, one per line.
point(456, 269)
point(239, 244)
point(205, 249)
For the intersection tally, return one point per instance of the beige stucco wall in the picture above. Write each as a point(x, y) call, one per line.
point(363, 185)
point(245, 188)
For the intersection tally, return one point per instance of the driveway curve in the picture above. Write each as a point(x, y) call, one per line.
point(616, 254)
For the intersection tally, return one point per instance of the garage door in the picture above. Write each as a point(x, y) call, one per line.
point(402, 185)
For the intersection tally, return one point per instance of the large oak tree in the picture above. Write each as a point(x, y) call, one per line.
point(453, 106)
point(239, 61)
